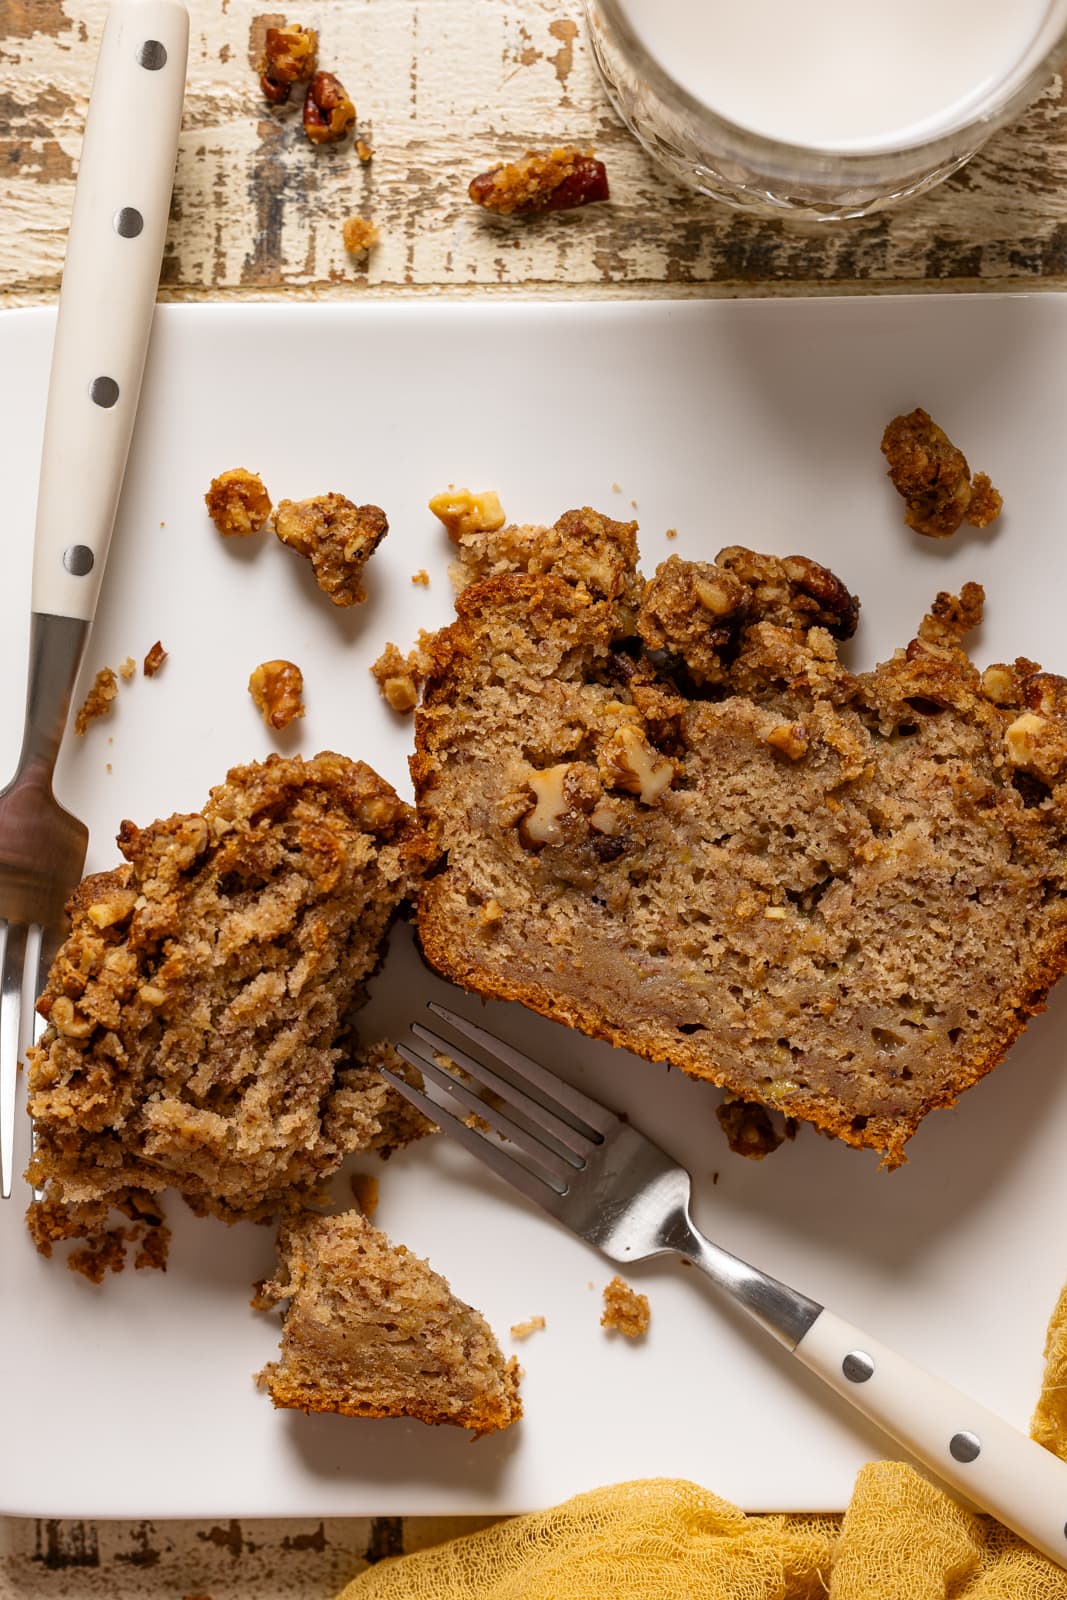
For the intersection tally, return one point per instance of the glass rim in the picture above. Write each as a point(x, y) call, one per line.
point(946, 143)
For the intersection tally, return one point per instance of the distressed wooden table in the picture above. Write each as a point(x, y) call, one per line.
point(443, 89)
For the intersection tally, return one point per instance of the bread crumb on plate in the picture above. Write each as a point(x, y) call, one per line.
point(237, 503)
point(625, 1311)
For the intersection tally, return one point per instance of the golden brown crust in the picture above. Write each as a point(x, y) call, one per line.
point(198, 1016)
point(372, 1331)
point(908, 831)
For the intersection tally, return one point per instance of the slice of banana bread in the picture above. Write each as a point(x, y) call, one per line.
point(687, 828)
point(198, 1014)
point(372, 1331)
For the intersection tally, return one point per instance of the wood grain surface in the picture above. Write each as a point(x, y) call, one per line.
point(443, 89)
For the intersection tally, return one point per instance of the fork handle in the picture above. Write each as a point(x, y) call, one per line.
point(969, 1447)
point(114, 251)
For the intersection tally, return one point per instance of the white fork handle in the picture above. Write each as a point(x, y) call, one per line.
point(114, 251)
point(969, 1447)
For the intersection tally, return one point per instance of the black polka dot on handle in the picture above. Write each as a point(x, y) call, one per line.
point(152, 55)
point(104, 392)
point(128, 222)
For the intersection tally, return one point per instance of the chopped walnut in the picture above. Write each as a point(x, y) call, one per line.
point(625, 1311)
point(154, 660)
point(360, 236)
point(463, 512)
point(290, 55)
point(276, 687)
point(791, 739)
point(748, 1128)
point(98, 701)
point(932, 475)
point(237, 503)
point(399, 678)
point(337, 537)
point(557, 181)
point(523, 1330)
point(328, 112)
point(543, 823)
point(127, 669)
point(627, 761)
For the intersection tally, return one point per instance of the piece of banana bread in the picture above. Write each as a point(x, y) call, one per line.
point(198, 1015)
point(678, 822)
point(372, 1331)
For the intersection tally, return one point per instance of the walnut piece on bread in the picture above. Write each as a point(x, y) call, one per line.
point(852, 891)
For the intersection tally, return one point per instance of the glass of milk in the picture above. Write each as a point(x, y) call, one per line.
point(822, 109)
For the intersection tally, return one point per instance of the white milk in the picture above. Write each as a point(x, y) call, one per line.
point(846, 74)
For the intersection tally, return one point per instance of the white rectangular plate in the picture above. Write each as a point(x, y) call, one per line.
point(729, 422)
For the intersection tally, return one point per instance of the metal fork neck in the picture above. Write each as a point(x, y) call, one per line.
point(780, 1310)
point(56, 647)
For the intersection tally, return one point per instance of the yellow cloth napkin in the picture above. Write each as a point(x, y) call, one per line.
point(900, 1539)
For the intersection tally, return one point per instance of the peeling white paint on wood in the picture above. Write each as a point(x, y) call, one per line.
point(444, 88)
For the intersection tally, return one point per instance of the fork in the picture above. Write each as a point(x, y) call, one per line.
point(114, 251)
point(608, 1183)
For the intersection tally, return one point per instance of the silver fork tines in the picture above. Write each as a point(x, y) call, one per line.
point(609, 1184)
point(579, 1161)
point(23, 969)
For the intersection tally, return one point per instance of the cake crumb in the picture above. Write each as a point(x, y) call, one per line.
point(616, 488)
point(107, 766)
point(748, 1128)
point(364, 151)
point(337, 537)
point(633, 505)
point(360, 236)
point(986, 502)
point(98, 701)
point(277, 687)
point(715, 1177)
point(364, 1186)
point(625, 1311)
point(932, 475)
point(557, 180)
point(154, 660)
point(127, 669)
point(523, 1330)
point(422, 578)
point(672, 533)
point(237, 503)
point(399, 678)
